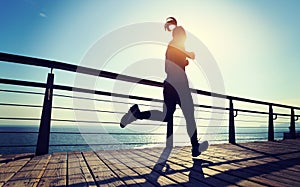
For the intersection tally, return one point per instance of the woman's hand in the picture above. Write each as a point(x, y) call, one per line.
point(191, 55)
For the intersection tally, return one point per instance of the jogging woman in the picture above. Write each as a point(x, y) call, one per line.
point(175, 89)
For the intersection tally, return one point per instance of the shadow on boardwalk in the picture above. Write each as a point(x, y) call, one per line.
point(261, 169)
point(246, 164)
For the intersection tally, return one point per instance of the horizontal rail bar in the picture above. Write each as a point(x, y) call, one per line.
point(250, 115)
point(20, 105)
point(22, 83)
point(68, 88)
point(3, 146)
point(281, 122)
point(252, 139)
point(19, 132)
point(260, 127)
point(18, 91)
point(129, 134)
point(100, 100)
point(112, 122)
point(85, 121)
point(252, 111)
point(250, 121)
point(97, 92)
point(26, 119)
point(116, 112)
point(72, 68)
point(91, 71)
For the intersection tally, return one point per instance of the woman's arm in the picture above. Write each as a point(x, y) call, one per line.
point(190, 55)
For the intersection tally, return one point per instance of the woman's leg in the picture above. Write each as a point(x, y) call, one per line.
point(188, 110)
point(155, 115)
point(187, 106)
point(169, 107)
point(166, 115)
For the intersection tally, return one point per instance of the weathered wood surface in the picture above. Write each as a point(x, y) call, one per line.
point(55, 171)
point(246, 164)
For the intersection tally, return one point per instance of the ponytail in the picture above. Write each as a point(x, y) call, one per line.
point(171, 21)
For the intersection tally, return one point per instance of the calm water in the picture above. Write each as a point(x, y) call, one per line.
point(109, 137)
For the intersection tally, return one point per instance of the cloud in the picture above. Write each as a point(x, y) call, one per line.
point(42, 14)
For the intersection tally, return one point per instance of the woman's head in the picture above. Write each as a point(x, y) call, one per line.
point(178, 32)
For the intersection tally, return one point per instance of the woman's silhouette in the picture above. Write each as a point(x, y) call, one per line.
point(175, 90)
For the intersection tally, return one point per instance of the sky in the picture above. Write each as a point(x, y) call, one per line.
point(254, 43)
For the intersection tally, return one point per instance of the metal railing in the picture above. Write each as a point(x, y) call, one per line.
point(42, 146)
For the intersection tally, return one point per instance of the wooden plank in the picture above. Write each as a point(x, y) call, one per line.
point(182, 177)
point(10, 164)
point(279, 168)
point(291, 142)
point(78, 172)
point(255, 163)
point(213, 172)
point(243, 171)
point(144, 169)
point(128, 176)
point(175, 172)
point(31, 173)
point(188, 176)
point(287, 155)
point(196, 170)
point(268, 167)
point(269, 149)
point(141, 175)
point(276, 174)
point(8, 170)
point(55, 172)
point(101, 173)
point(247, 164)
point(13, 157)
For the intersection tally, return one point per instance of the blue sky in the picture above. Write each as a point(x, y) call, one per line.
point(255, 43)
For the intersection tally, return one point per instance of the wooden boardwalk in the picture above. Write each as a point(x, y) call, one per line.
point(245, 164)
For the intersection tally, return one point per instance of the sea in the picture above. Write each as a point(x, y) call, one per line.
point(15, 139)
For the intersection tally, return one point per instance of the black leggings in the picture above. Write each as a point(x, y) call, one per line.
point(171, 98)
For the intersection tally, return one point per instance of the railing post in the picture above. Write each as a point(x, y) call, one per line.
point(292, 125)
point(44, 130)
point(271, 125)
point(231, 123)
